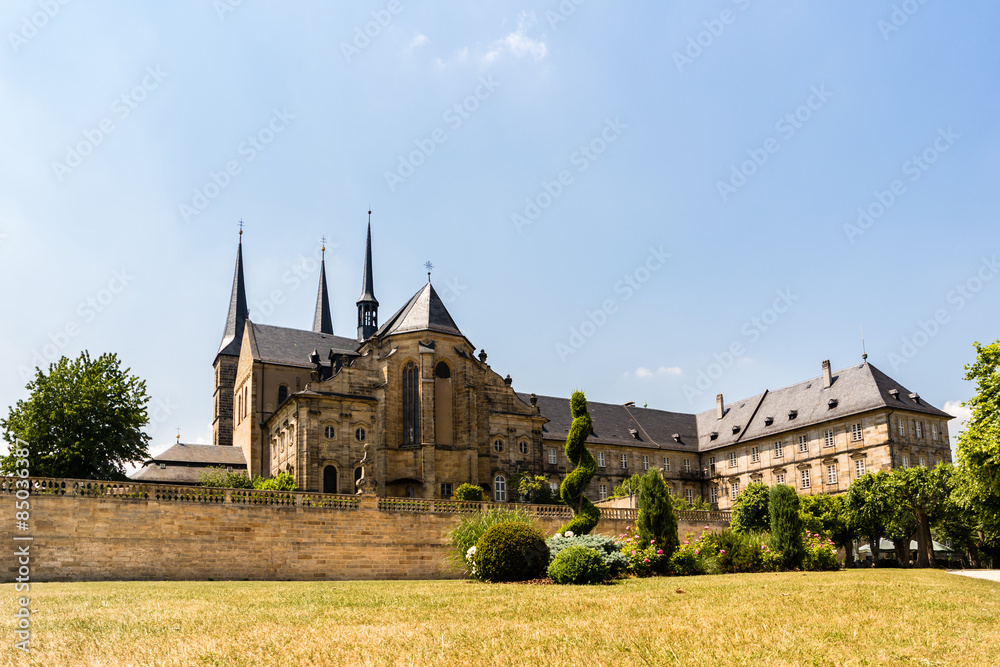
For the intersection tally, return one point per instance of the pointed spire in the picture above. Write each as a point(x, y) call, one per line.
point(367, 304)
point(232, 337)
point(322, 320)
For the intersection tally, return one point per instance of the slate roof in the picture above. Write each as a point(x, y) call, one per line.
point(185, 463)
point(612, 424)
point(232, 336)
point(424, 311)
point(738, 413)
point(322, 319)
point(367, 280)
point(292, 347)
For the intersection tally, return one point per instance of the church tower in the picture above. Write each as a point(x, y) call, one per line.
point(228, 356)
point(367, 304)
point(322, 320)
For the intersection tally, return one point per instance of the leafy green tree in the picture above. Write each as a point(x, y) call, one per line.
point(750, 511)
point(922, 493)
point(535, 489)
point(219, 476)
point(83, 420)
point(628, 487)
point(825, 514)
point(572, 488)
point(469, 492)
point(869, 507)
point(786, 525)
point(656, 522)
point(978, 447)
point(283, 481)
point(958, 525)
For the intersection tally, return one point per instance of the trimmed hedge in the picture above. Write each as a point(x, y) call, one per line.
point(608, 547)
point(578, 565)
point(469, 492)
point(511, 552)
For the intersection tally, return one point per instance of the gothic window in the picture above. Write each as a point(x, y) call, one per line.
point(411, 404)
point(329, 479)
point(282, 394)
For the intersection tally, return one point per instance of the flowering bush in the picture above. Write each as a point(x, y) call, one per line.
point(606, 546)
point(644, 559)
point(821, 553)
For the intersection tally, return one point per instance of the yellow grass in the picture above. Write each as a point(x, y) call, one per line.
point(883, 617)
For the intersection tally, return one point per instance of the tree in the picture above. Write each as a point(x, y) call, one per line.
point(220, 477)
point(656, 522)
point(571, 489)
point(283, 481)
point(922, 493)
point(83, 420)
point(750, 511)
point(628, 487)
point(536, 490)
point(469, 492)
point(786, 525)
point(979, 444)
point(869, 507)
point(825, 514)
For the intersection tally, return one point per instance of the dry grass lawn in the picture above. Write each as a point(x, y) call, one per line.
point(883, 617)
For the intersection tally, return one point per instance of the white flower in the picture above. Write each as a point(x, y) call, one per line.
point(569, 533)
point(470, 553)
point(558, 534)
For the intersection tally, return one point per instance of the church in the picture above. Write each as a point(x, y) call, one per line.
point(435, 415)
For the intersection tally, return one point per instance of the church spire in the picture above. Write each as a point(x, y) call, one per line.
point(322, 320)
point(367, 304)
point(236, 321)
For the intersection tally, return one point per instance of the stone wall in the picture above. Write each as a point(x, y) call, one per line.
point(92, 531)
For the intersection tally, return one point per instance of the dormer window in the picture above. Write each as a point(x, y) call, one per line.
point(736, 429)
point(894, 393)
point(163, 466)
point(832, 403)
point(768, 421)
point(792, 414)
point(634, 433)
point(915, 397)
point(713, 435)
point(677, 437)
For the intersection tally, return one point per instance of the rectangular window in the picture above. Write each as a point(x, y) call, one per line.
point(755, 454)
point(689, 496)
point(552, 454)
point(554, 487)
point(711, 464)
point(734, 490)
point(923, 462)
point(803, 444)
point(831, 474)
point(600, 459)
point(902, 428)
point(732, 459)
point(918, 428)
point(859, 467)
point(906, 461)
point(602, 491)
point(856, 432)
point(779, 478)
point(687, 465)
point(778, 450)
point(805, 479)
point(713, 495)
point(666, 463)
point(624, 462)
point(828, 438)
point(446, 489)
point(645, 463)
point(934, 432)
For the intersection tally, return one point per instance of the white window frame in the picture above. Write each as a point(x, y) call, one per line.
point(803, 444)
point(859, 467)
point(711, 464)
point(805, 479)
point(779, 450)
point(666, 463)
point(689, 496)
point(779, 478)
point(552, 455)
point(857, 433)
point(901, 425)
point(918, 429)
point(500, 489)
point(734, 490)
point(828, 438)
point(624, 462)
point(934, 431)
point(906, 461)
point(600, 459)
point(498, 445)
point(713, 495)
point(831, 473)
point(602, 491)
point(645, 462)
point(733, 460)
point(687, 465)
point(755, 454)
point(524, 446)
point(923, 462)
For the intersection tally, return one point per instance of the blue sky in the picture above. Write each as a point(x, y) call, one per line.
point(615, 196)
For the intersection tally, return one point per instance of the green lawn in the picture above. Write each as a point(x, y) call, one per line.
point(883, 617)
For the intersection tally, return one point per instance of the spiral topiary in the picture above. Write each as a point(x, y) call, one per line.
point(511, 552)
point(571, 489)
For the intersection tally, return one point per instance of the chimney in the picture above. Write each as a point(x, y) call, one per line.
point(720, 410)
point(827, 377)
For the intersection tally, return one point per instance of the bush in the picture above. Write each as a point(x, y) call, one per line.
point(578, 565)
point(820, 553)
point(510, 552)
point(469, 492)
point(644, 559)
point(656, 523)
point(282, 482)
point(468, 531)
point(740, 552)
point(786, 525)
point(750, 509)
point(217, 476)
point(685, 563)
point(606, 546)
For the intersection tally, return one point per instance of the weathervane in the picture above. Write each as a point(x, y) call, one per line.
point(241, 226)
point(322, 240)
point(429, 267)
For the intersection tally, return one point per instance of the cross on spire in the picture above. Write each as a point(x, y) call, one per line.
point(429, 267)
point(241, 226)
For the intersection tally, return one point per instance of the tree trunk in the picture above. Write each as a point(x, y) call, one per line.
point(902, 549)
point(923, 540)
point(848, 553)
point(973, 552)
point(873, 544)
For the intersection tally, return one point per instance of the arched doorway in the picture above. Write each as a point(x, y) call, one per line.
point(329, 479)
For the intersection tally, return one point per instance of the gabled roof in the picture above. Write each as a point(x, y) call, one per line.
point(613, 424)
point(232, 337)
point(209, 455)
point(292, 347)
point(739, 413)
point(423, 312)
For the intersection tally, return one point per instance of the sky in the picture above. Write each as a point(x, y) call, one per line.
point(649, 202)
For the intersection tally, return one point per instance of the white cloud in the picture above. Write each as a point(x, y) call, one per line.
point(670, 370)
point(956, 426)
point(517, 43)
point(643, 373)
point(418, 41)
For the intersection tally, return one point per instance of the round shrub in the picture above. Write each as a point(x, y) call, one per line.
point(685, 563)
point(511, 552)
point(469, 492)
point(578, 565)
point(616, 561)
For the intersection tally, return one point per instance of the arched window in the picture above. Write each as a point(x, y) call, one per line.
point(282, 394)
point(357, 476)
point(442, 370)
point(500, 489)
point(329, 432)
point(411, 404)
point(329, 479)
point(523, 445)
point(498, 445)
